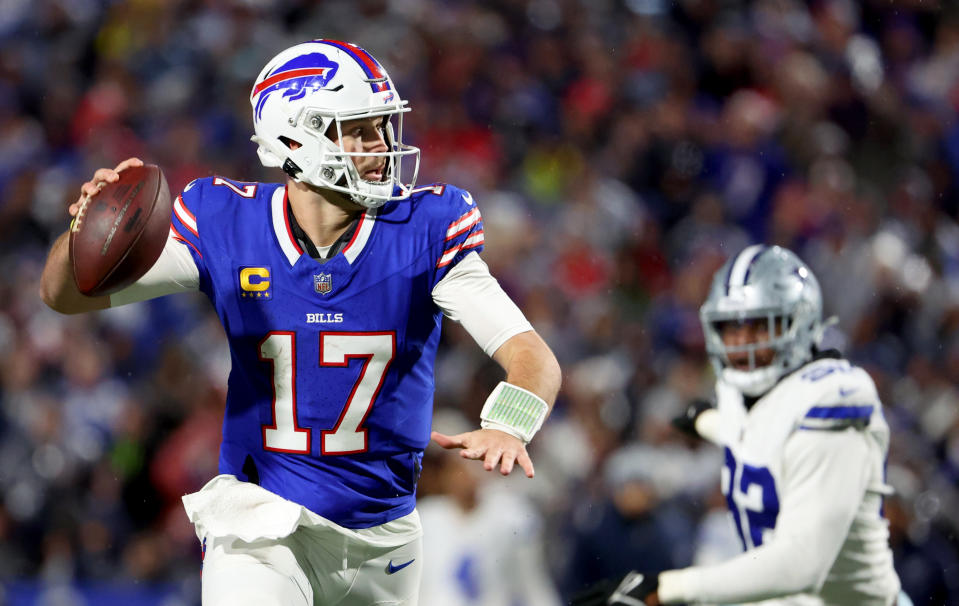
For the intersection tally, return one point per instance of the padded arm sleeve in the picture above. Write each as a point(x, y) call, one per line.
point(824, 479)
point(470, 295)
point(175, 271)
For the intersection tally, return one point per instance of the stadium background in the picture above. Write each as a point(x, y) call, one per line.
point(619, 151)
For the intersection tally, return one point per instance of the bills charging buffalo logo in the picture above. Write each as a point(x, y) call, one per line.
point(322, 283)
point(295, 78)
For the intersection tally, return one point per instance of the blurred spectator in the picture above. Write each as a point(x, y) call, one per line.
point(631, 520)
point(926, 562)
point(484, 546)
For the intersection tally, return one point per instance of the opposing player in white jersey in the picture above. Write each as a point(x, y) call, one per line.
point(805, 444)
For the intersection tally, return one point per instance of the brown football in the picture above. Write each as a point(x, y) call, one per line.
point(119, 234)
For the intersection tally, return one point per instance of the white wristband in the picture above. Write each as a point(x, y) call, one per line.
point(515, 411)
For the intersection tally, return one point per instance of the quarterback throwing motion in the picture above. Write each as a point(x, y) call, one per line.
point(805, 444)
point(331, 287)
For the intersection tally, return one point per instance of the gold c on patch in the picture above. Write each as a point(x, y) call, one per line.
point(255, 283)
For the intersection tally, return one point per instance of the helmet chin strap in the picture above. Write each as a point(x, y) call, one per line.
point(290, 167)
point(758, 381)
point(752, 382)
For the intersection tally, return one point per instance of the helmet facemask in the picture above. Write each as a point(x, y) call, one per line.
point(779, 346)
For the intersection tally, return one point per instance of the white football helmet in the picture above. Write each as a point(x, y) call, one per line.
point(770, 284)
point(310, 89)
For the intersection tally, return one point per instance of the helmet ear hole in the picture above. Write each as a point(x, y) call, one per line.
point(290, 143)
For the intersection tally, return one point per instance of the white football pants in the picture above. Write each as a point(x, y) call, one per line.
point(262, 550)
point(311, 567)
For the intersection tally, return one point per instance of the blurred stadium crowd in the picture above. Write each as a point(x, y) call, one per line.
point(619, 150)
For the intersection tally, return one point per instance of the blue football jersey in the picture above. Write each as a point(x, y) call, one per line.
point(330, 395)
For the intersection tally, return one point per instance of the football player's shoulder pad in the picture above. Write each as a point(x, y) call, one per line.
point(449, 212)
point(194, 191)
point(831, 394)
point(203, 195)
point(442, 200)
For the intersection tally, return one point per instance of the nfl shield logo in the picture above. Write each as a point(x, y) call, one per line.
point(323, 283)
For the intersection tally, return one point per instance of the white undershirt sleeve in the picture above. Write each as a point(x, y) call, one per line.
point(175, 271)
point(824, 479)
point(470, 295)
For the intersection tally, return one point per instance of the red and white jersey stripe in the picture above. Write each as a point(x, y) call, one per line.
point(464, 233)
point(187, 218)
point(475, 239)
point(463, 224)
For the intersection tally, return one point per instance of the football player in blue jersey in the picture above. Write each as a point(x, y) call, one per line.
point(331, 287)
point(805, 444)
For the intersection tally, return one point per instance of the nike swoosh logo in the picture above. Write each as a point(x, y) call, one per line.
point(391, 569)
point(843, 392)
point(468, 197)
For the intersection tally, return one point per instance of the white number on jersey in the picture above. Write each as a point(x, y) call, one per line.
point(248, 190)
point(336, 349)
point(284, 435)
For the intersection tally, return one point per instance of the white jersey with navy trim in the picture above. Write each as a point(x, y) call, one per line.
point(804, 480)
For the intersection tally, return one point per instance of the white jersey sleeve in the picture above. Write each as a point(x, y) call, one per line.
point(825, 476)
point(175, 271)
point(470, 295)
point(708, 425)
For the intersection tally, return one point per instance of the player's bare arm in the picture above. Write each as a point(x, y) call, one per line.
point(531, 366)
point(57, 287)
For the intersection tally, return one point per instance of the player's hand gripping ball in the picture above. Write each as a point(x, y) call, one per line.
point(119, 233)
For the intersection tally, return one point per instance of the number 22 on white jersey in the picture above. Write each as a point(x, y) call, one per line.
point(750, 493)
